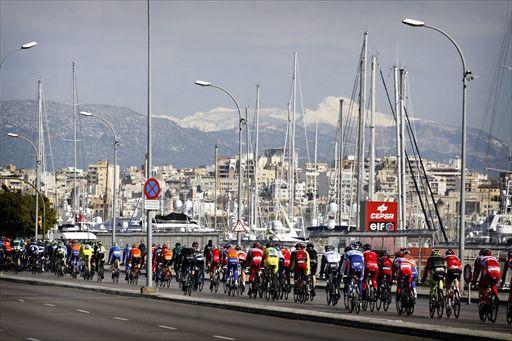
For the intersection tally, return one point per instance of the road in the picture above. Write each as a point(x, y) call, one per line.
point(37, 312)
point(468, 317)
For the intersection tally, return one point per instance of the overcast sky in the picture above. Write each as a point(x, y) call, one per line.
point(239, 44)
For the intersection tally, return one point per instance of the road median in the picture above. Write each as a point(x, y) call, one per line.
point(364, 322)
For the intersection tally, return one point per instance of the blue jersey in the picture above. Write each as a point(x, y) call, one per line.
point(126, 254)
point(114, 253)
point(355, 260)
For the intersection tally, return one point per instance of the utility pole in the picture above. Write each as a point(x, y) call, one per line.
point(340, 161)
point(216, 187)
point(402, 149)
point(256, 156)
point(398, 149)
point(39, 149)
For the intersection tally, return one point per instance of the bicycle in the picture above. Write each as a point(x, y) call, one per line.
point(230, 286)
point(301, 288)
point(271, 285)
point(488, 304)
point(255, 285)
point(198, 278)
point(383, 294)
point(369, 296)
point(133, 277)
point(436, 300)
point(283, 286)
point(406, 302)
point(115, 271)
point(332, 288)
point(453, 300)
point(101, 271)
point(354, 297)
point(215, 280)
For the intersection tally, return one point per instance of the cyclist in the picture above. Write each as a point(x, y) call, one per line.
point(270, 259)
point(242, 257)
point(414, 270)
point(198, 264)
point(135, 257)
point(300, 263)
point(313, 259)
point(86, 252)
point(99, 255)
point(156, 253)
point(353, 264)
point(371, 266)
point(114, 254)
point(454, 268)
point(489, 270)
point(254, 259)
point(385, 268)
point(436, 266)
point(506, 267)
point(176, 258)
point(61, 254)
point(143, 250)
point(231, 256)
point(215, 259)
point(126, 259)
point(207, 253)
point(402, 270)
point(285, 263)
point(330, 261)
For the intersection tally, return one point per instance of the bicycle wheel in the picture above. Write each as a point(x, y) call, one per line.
point(364, 302)
point(509, 311)
point(372, 296)
point(440, 303)
point(410, 302)
point(493, 307)
point(431, 303)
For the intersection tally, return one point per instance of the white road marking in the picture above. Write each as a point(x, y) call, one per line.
point(83, 311)
point(166, 327)
point(32, 339)
point(49, 305)
point(120, 318)
point(222, 337)
point(20, 300)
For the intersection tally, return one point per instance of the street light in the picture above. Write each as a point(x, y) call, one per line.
point(23, 47)
point(466, 76)
point(116, 143)
point(241, 122)
point(38, 184)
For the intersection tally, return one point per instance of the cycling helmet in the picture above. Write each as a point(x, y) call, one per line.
point(177, 245)
point(100, 243)
point(115, 244)
point(310, 246)
point(195, 244)
point(347, 249)
point(329, 248)
point(354, 246)
point(488, 252)
point(436, 253)
point(299, 246)
point(383, 254)
point(406, 251)
point(269, 244)
point(399, 254)
point(449, 252)
point(227, 246)
point(256, 245)
point(238, 248)
point(509, 253)
point(134, 245)
point(165, 246)
point(367, 247)
point(482, 252)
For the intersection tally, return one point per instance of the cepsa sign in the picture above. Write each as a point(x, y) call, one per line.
point(380, 216)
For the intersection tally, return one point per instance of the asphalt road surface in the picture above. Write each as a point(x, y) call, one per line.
point(468, 315)
point(38, 312)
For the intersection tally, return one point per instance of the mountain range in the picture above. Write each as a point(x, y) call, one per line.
point(190, 141)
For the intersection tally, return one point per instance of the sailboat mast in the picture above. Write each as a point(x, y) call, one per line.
point(402, 146)
point(371, 183)
point(315, 176)
point(360, 144)
point(398, 150)
point(291, 180)
point(256, 156)
point(340, 161)
point(75, 202)
point(39, 150)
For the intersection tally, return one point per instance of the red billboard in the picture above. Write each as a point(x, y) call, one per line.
point(380, 216)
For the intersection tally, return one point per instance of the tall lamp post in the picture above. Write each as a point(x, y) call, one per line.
point(466, 77)
point(241, 122)
point(114, 195)
point(23, 47)
point(38, 182)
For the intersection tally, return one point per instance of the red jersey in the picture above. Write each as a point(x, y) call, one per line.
point(242, 256)
point(491, 265)
point(453, 262)
point(287, 257)
point(385, 266)
point(301, 259)
point(215, 255)
point(370, 259)
point(256, 255)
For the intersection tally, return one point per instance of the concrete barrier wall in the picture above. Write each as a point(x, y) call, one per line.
point(160, 238)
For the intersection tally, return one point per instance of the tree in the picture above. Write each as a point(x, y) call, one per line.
point(17, 212)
